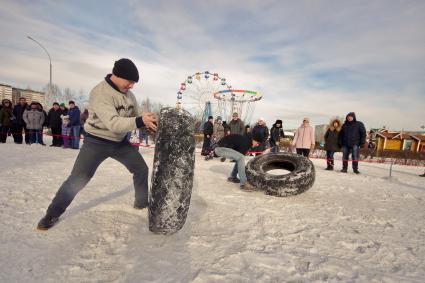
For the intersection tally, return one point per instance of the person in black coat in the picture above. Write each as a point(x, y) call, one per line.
point(54, 122)
point(235, 147)
point(276, 133)
point(6, 119)
point(19, 123)
point(208, 132)
point(260, 133)
point(351, 138)
point(331, 142)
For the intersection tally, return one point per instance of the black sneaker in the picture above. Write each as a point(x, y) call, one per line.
point(423, 175)
point(344, 170)
point(356, 171)
point(233, 180)
point(47, 222)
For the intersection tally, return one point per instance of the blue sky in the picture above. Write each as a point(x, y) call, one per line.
point(314, 59)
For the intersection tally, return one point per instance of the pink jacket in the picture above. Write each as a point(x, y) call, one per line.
point(304, 137)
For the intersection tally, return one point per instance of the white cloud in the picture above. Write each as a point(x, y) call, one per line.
point(370, 55)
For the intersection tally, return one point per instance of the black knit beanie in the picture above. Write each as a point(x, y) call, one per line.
point(125, 69)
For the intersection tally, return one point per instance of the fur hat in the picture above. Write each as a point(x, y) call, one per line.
point(331, 124)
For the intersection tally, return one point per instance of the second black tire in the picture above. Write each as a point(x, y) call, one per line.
point(301, 177)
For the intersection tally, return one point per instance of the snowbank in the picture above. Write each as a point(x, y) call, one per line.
point(346, 228)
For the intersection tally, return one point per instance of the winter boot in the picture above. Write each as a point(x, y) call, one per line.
point(47, 222)
point(344, 166)
point(247, 187)
point(329, 167)
point(233, 180)
point(356, 167)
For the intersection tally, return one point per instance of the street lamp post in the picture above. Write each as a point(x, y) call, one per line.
point(50, 60)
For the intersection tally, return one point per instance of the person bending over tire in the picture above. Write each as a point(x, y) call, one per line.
point(113, 112)
point(235, 147)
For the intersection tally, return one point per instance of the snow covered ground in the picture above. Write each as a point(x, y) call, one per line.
point(347, 228)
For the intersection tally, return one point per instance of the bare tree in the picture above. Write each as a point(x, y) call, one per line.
point(55, 95)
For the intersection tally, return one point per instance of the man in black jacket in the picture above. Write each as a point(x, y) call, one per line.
point(235, 147)
point(208, 132)
point(260, 133)
point(54, 122)
point(19, 123)
point(351, 138)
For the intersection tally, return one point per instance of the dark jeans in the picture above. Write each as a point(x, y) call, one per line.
point(143, 136)
point(56, 136)
point(75, 137)
point(239, 158)
point(354, 150)
point(91, 155)
point(17, 134)
point(330, 158)
point(303, 151)
point(3, 133)
point(35, 136)
point(274, 147)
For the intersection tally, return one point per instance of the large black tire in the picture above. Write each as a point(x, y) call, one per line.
point(300, 179)
point(173, 169)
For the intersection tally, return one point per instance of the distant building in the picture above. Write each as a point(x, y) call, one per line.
point(13, 94)
point(386, 140)
point(5, 92)
point(418, 144)
point(30, 95)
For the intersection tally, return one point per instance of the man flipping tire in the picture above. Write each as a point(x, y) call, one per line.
point(113, 112)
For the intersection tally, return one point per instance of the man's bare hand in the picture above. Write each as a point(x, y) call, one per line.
point(151, 120)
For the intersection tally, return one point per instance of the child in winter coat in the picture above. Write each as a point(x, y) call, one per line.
point(331, 142)
point(304, 138)
point(66, 131)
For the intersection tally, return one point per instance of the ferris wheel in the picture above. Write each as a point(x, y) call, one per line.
point(196, 93)
point(240, 101)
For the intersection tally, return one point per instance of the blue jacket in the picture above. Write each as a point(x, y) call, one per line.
point(74, 117)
